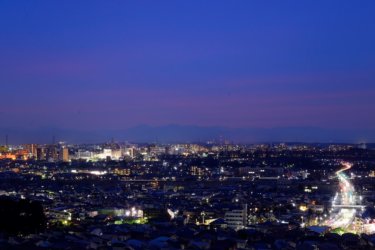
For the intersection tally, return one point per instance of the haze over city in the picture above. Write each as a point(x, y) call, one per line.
point(111, 68)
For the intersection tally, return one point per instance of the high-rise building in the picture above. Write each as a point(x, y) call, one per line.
point(32, 149)
point(128, 152)
point(236, 219)
point(40, 153)
point(51, 153)
point(64, 154)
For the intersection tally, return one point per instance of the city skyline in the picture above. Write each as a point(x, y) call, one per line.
point(117, 65)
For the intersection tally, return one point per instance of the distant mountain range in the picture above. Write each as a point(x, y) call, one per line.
point(182, 133)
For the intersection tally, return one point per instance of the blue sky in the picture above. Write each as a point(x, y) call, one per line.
point(117, 64)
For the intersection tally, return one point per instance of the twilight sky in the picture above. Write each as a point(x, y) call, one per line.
point(117, 64)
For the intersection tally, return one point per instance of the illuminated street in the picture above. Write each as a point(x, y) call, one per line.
point(343, 217)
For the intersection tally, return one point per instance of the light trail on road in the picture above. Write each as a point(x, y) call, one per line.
point(343, 217)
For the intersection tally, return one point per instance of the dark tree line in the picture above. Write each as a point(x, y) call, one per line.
point(21, 216)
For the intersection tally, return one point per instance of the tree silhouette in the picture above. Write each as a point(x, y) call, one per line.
point(23, 216)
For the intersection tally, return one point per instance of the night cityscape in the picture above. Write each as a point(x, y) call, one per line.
point(189, 196)
point(157, 125)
